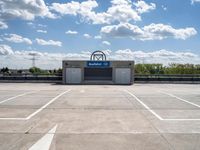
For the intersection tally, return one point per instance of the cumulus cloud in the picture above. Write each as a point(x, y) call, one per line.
point(97, 37)
point(106, 43)
point(18, 39)
point(159, 56)
point(119, 11)
point(21, 59)
point(24, 9)
point(164, 8)
point(195, 1)
point(71, 32)
point(149, 32)
point(42, 31)
point(3, 25)
point(87, 36)
point(48, 42)
point(161, 31)
point(5, 50)
point(42, 25)
point(142, 6)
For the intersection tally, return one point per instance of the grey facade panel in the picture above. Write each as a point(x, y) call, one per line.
point(73, 75)
point(122, 75)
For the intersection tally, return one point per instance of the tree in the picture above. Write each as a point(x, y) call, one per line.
point(34, 70)
point(5, 70)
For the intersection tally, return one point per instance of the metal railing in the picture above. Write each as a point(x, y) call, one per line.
point(137, 77)
point(169, 77)
point(25, 76)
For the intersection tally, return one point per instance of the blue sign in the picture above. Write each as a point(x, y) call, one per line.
point(98, 64)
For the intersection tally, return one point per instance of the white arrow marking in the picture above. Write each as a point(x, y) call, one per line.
point(45, 142)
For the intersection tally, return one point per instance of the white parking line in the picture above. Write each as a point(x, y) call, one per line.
point(11, 98)
point(45, 142)
point(181, 99)
point(51, 101)
point(154, 113)
point(38, 110)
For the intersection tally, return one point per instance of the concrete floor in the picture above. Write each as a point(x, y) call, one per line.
point(104, 117)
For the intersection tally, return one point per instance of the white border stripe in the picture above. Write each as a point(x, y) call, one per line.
point(11, 98)
point(154, 113)
point(181, 99)
point(38, 110)
point(51, 101)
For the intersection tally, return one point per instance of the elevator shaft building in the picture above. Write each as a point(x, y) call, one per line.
point(98, 71)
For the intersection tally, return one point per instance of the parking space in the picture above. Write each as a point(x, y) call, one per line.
point(141, 116)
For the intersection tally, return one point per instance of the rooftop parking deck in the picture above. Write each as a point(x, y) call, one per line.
point(99, 117)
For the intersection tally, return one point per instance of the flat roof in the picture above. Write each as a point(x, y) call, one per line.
point(143, 116)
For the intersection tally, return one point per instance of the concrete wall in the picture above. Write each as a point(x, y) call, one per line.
point(83, 64)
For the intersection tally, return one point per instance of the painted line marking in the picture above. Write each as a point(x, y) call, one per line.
point(181, 99)
point(45, 142)
point(154, 113)
point(38, 110)
point(11, 98)
point(147, 107)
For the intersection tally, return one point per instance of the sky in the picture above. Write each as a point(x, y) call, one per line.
point(147, 31)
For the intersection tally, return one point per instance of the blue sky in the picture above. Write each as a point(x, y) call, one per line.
point(151, 31)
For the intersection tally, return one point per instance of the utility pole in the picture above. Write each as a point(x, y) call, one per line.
point(33, 59)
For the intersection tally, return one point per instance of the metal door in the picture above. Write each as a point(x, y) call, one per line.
point(122, 75)
point(73, 75)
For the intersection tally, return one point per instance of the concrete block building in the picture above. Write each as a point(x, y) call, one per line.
point(98, 70)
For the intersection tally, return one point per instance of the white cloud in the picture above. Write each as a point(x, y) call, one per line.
point(42, 31)
point(195, 1)
point(49, 42)
point(5, 50)
point(119, 11)
point(71, 32)
point(34, 25)
point(21, 59)
point(18, 39)
point(150, 32)
point(160, 56)
point(3, 25)
point(97, 37)
point(121, 30)
point(24, 9)
point(42, 25)
point(161, 31)
point(105, 42)
point(164, 8)
point(122, 11)
point(143, 7)
point(87, 36)
point(70, 8)
point(30, 23)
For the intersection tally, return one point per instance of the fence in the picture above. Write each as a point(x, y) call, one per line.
point(58, 77)
point(160, 77)
point(31, 77)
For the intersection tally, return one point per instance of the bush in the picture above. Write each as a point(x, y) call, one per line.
point(34, 70)
point(170, 69)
